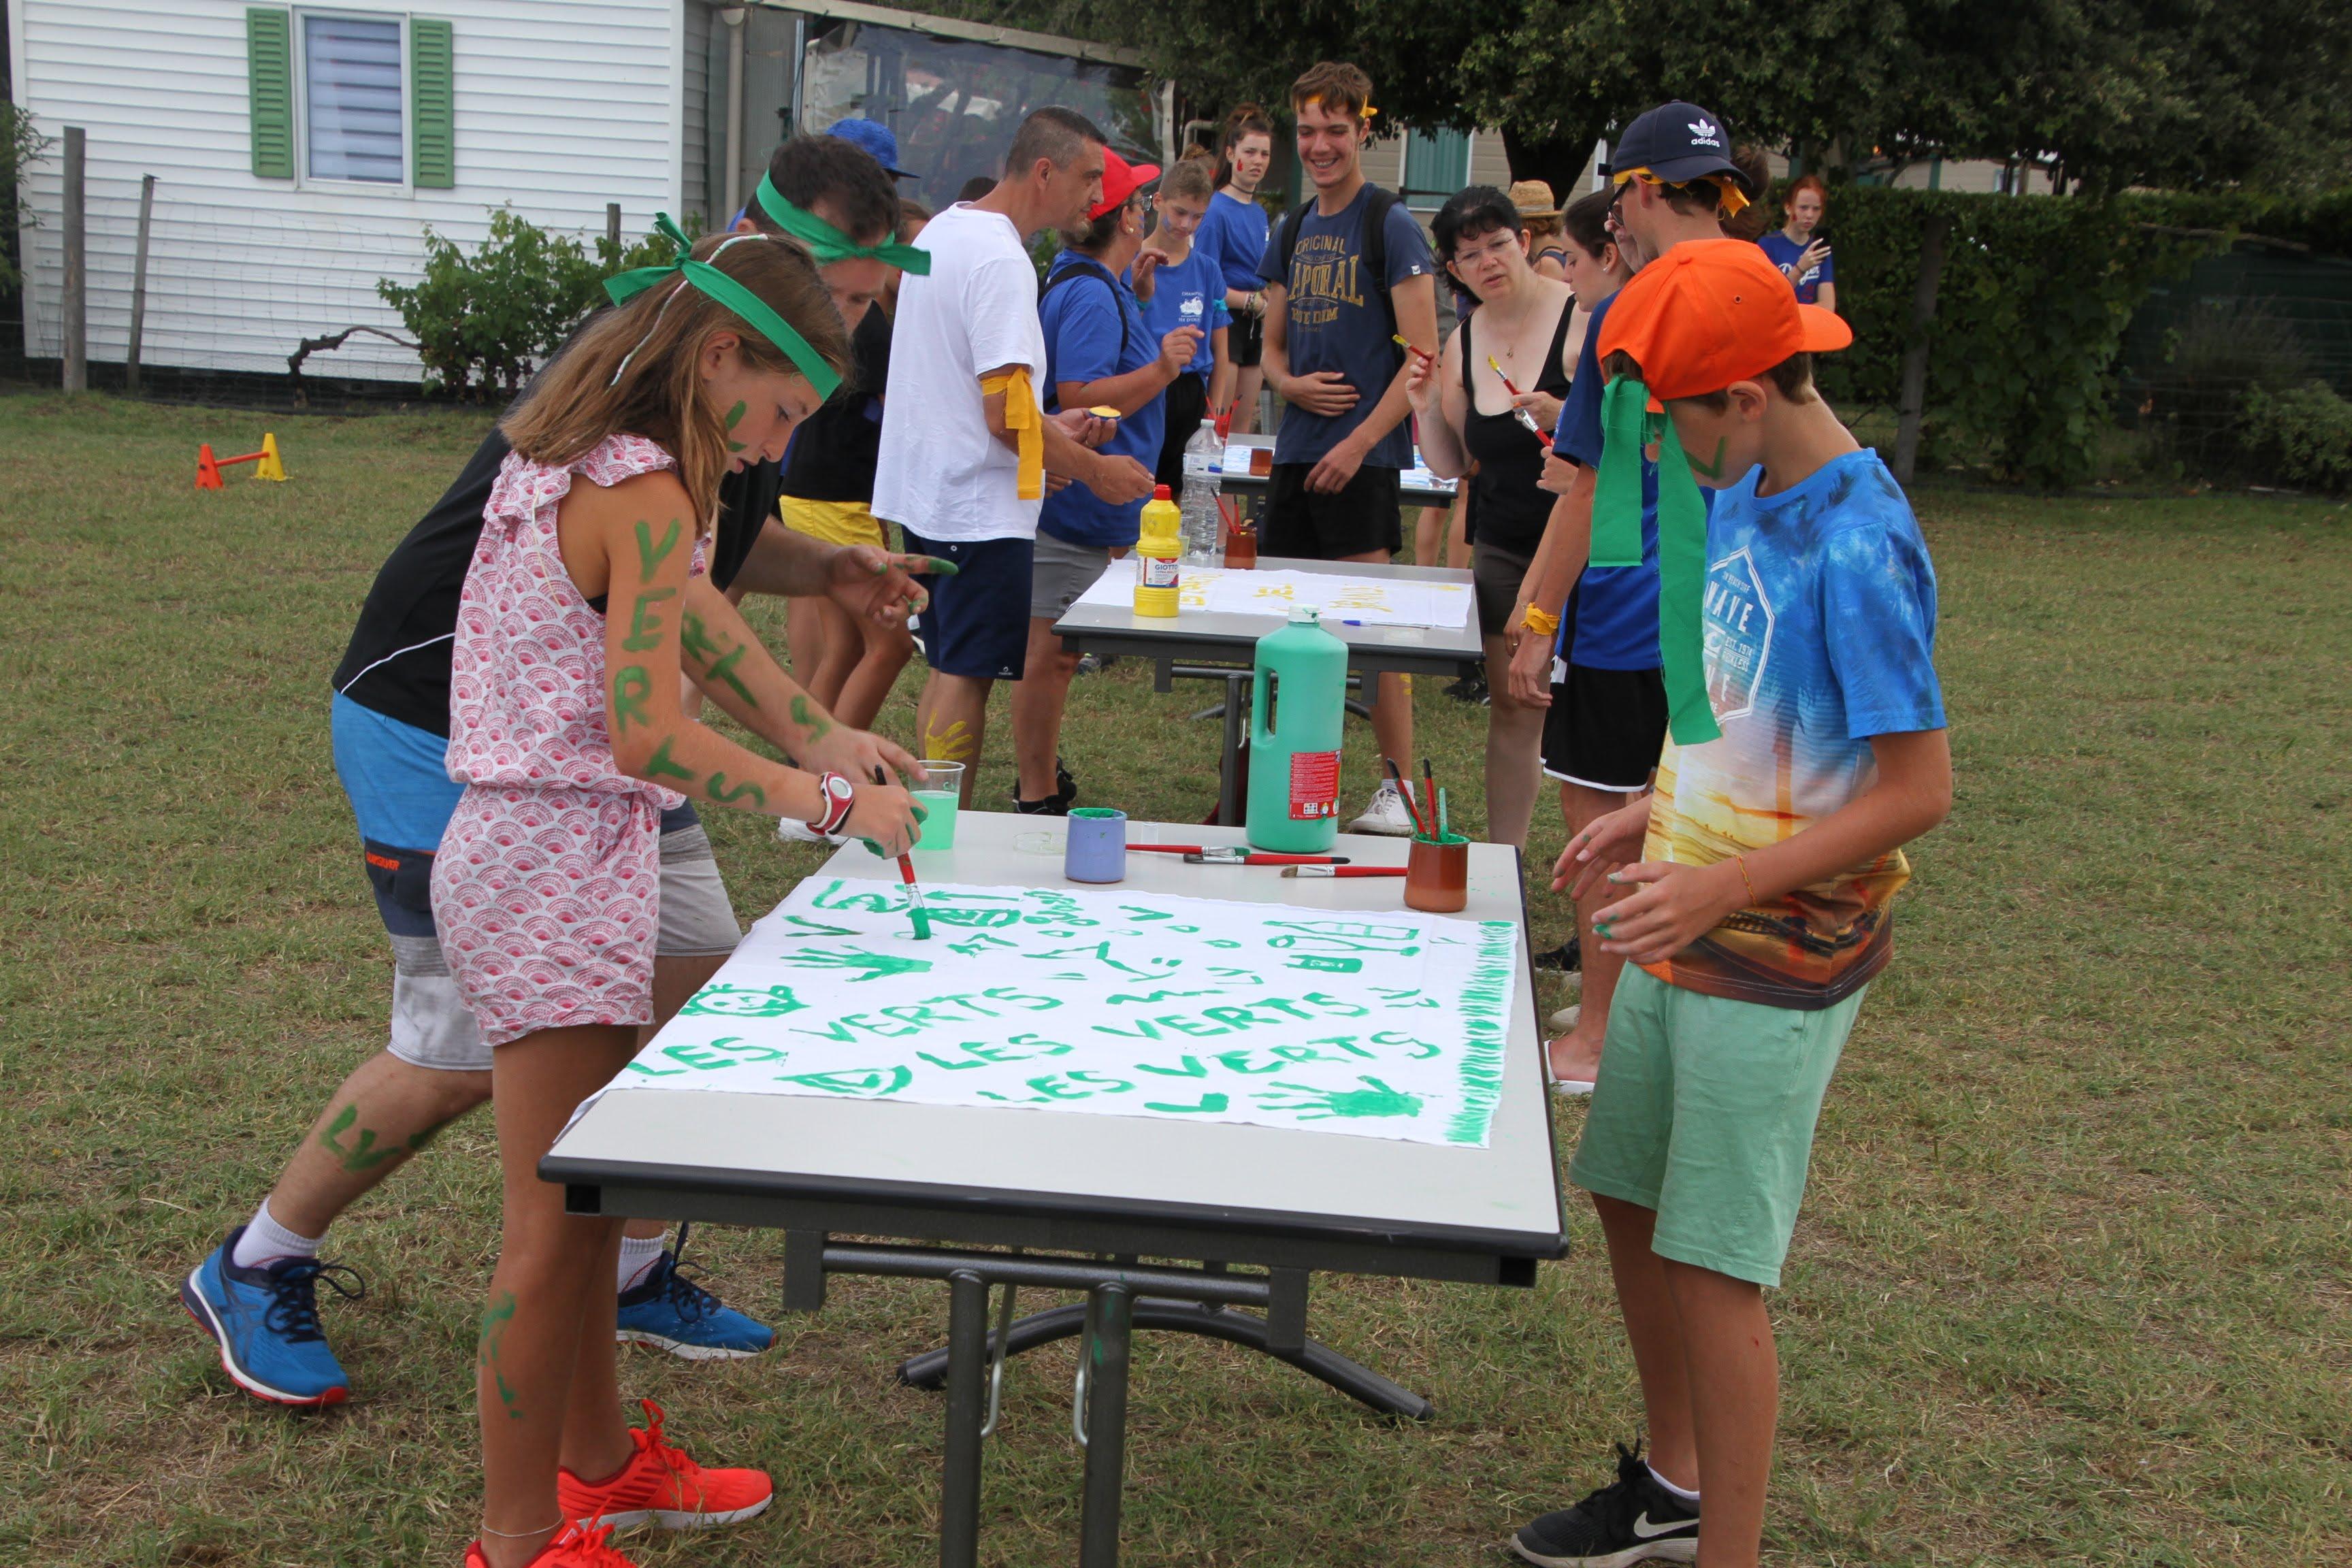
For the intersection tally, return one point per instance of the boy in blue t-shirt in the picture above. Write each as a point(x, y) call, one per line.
point(1180, 285)
point(1098, 353)
point(1768, 858)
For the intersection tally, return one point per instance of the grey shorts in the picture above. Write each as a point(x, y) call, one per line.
point(1059, 572)
point(432, 1028)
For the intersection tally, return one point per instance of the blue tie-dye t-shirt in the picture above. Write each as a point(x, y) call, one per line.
point(1820, 634)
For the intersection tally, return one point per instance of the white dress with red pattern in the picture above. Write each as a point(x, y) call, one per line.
point(546, 888)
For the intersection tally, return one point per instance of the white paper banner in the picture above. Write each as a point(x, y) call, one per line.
point(1387, 1024)
point(1364, 601)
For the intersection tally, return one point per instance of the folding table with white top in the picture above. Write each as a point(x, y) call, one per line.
point(1095, 1202)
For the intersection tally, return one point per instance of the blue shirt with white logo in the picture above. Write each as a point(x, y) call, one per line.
point(1187, 293)
point(1784, 252)
point(1084, 319)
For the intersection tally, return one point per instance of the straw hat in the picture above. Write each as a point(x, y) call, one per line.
point(1533, 198)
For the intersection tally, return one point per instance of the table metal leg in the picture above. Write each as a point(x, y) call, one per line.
point(1107, 1350)
point(967, 1406)
point(1229, 805)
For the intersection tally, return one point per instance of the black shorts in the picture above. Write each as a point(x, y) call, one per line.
point(1245, 341)
point(1188, 400)
point(977, 624)
point(1605, 728)
point(1497, 573)
point(1308, 526)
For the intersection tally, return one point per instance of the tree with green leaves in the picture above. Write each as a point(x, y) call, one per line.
point(22, 145)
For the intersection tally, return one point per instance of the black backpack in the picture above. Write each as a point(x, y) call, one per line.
point(1081, 267)
point(1376, 248)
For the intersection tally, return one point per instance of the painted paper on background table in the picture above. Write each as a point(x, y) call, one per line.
point(1388, 1025)
point(1369, 601)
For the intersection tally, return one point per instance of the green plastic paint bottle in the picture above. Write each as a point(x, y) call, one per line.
point(1297, 711)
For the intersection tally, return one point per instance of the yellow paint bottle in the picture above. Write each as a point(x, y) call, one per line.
point(1156, 555)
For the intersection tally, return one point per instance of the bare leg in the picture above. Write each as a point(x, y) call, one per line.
point(1037, 704)
point(1514, 760)
point(886, 652)
point(1457, 536)
point(596, 1428)
point(843, 648)
point(384, 1112)
point(1735, 1383)
point(952, 721)
point(1392, 702)
point(1576, 1054)
point(805, 629)
point(675, 980)
point(1655, 1335)
point(1429, 536)
point(546, 1277)
point(1248, 380)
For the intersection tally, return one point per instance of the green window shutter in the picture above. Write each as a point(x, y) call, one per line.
point(269, 80)
point(432, 103)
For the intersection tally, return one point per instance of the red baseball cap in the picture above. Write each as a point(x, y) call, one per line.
point(1122, 179)
point(1712, 312)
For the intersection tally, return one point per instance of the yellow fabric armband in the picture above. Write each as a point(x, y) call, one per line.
point(1027, 425)
point(1543, 623)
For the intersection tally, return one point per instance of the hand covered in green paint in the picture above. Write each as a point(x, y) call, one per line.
point(856, 753)
point(1678, 905)
point(1608, 842)
point(885, 816)
point(877, 585)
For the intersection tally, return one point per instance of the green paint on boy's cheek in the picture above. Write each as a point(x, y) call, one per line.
point(735, 417)
point(1712, 470)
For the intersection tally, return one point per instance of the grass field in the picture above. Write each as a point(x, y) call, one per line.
point(2073, 1284)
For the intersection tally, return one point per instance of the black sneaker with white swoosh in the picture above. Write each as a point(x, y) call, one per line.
point(1628, 1521)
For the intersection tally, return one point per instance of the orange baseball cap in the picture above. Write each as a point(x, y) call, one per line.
point(1121, 180)
point(1712, 312)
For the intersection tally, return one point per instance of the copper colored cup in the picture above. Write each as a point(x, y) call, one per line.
point(1437, 873)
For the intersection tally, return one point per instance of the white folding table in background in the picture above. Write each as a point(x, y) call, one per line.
point(1080, 1199)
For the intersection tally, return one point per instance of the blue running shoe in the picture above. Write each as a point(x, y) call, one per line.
point(670, 1309)
point(266, 1321)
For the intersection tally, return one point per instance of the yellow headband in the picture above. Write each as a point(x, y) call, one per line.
point(1727, 193)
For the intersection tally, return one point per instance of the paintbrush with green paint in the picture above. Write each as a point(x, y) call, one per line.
point(915, 910)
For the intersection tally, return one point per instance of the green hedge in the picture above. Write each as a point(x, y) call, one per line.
point(2035, 295)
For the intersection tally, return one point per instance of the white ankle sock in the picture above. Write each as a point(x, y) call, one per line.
point(638, 1254)
point(1689, 1497)
point(265, 1240)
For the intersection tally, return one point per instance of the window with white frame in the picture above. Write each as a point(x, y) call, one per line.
point(354, 81)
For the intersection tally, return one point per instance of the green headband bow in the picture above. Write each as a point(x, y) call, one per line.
point(626, 286)
point(1627, 427)
point(827, 243)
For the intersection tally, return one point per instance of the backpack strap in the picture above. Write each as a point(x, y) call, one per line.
point(1082, 268)
point(1382, 202)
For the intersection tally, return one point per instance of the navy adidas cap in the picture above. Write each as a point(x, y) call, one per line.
point(1678, 142)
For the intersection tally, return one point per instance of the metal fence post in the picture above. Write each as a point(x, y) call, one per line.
point(613, 223)
point(139, 285)
point(75, 322)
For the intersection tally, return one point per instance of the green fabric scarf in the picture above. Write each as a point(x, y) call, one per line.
point(626, 286)
point(1627, 428)
point(827, 243)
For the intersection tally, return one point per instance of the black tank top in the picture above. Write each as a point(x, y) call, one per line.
point(1511, 510)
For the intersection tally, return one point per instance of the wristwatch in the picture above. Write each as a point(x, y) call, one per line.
point(840, 795)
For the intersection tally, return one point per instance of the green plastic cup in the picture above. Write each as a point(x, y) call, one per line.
point(939, 795)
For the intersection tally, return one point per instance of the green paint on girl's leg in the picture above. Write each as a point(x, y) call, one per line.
point(735, 417)
point(362, 1155)
point(495, 1319)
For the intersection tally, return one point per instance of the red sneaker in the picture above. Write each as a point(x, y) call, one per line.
point(575, 1546)
point(660, 1485)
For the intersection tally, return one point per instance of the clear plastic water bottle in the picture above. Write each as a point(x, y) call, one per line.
point(1204, 534)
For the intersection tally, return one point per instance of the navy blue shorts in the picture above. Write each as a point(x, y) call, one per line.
point(978, 622)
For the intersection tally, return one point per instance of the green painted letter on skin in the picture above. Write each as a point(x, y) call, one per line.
point(649, 555)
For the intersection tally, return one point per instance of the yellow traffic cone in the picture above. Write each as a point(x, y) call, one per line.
point(269, 468)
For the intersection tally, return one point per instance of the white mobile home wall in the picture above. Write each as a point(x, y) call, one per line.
point(561, 106)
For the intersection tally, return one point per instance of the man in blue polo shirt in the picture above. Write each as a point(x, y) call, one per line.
point(1098, 353)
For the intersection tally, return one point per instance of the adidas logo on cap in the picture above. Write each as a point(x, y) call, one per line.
point(1703, 133)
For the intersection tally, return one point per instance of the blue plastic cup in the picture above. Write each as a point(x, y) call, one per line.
point(1096, 851)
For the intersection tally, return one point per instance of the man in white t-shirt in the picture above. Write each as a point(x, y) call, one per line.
point(965, 449)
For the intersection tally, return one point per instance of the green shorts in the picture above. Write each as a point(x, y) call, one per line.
point(1703, 1112)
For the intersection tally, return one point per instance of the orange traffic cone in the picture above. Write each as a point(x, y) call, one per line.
point(269, 468)
point(208, 475)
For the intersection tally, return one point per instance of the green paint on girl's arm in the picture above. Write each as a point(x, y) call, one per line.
point(644, 620)
point(735, 417)
point(659, 766)
point(806, 714)
point(631, 687)
point(649, 555)
point(723, 669)
point(1715, 470)
point(717, 789)
point(694, 639)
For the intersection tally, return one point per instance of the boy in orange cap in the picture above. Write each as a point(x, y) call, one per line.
point(1768, 856)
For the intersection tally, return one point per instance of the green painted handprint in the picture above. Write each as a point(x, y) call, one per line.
point(876, 965)
point(1313, 1104)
